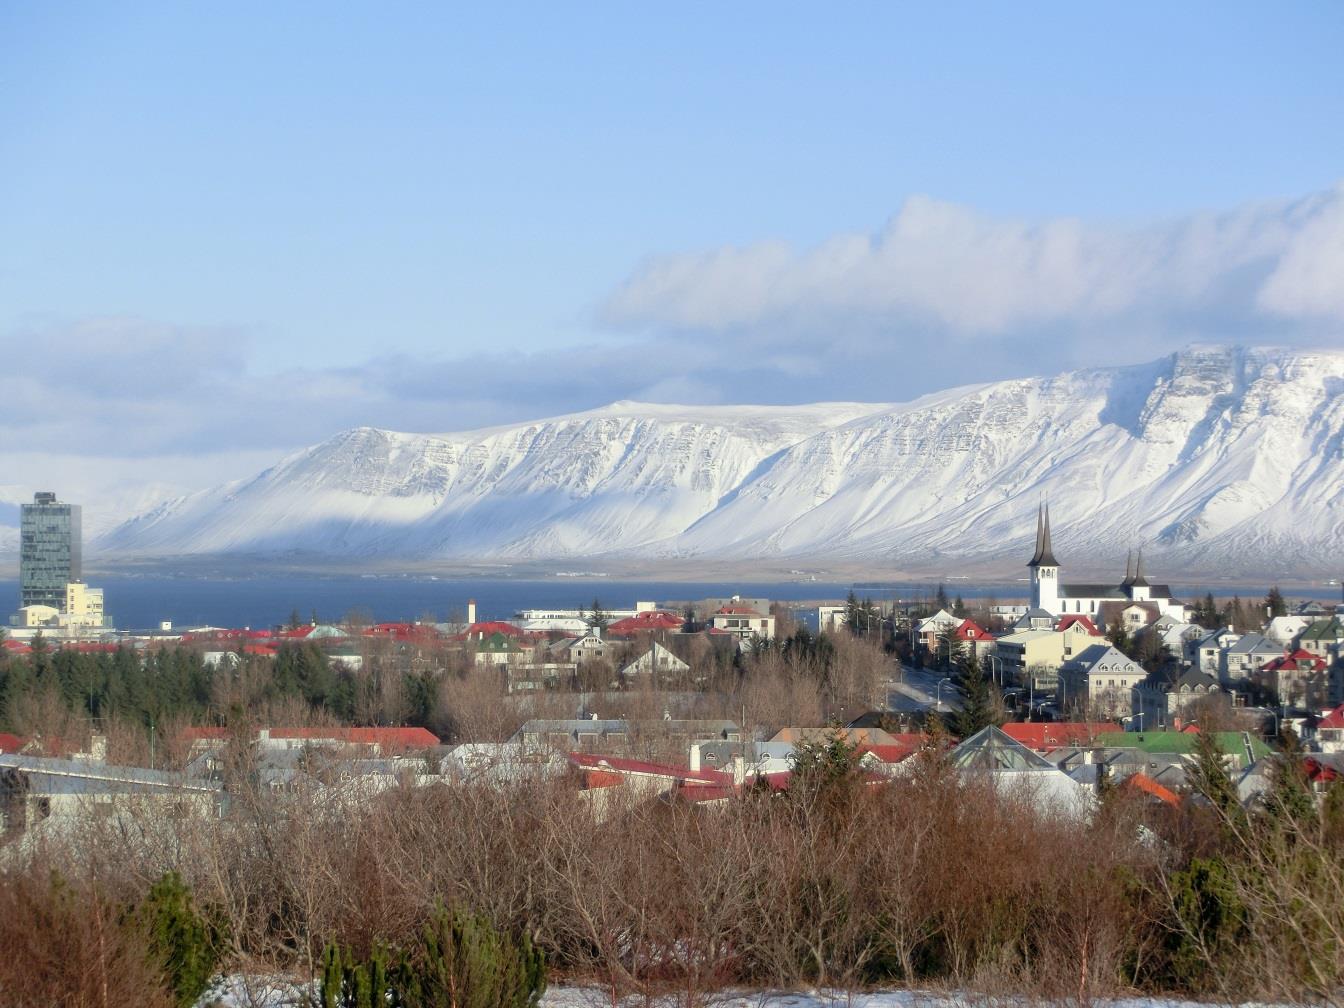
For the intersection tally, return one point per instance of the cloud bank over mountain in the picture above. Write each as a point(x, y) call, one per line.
point(943, 295)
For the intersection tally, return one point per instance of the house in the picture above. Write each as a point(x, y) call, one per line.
point(648, 622)
point(1161, 699)
point(1032, 657)
point(500, 649)
point(1130, 616)
point(1298, 678)
point(1034, 618)
point(590, 647)
point(973, 639)
point(1244, 657)
point(1014, 771)
point(1283, 630)
point(1240, 748)
point(929, 629)
point(1330, 731)
point(743, 622)
point(44, 794)
point(1046, 736)
point(659, 663)
point(501, 763)
point(1323, 638)
point(1100, 681)
point(1048, 593)
point(1206, 653)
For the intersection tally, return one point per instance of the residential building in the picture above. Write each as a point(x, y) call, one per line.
point(743, 622)
point(1298, 678)
point(1244, 657)
point(50, 550)
point(1100, 682)
point(1031, 657)
point(659, 663)
point(1161, 700)
point(1323, 637)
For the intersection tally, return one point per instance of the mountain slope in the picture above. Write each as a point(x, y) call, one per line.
point(1218, 459)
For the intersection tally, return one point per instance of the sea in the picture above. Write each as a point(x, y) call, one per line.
point(145, 601)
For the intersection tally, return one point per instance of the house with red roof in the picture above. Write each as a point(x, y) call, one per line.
point(651, 621)
point(1298, 678)
point(1330, 731)
point(1045, 736)
point(481, 631)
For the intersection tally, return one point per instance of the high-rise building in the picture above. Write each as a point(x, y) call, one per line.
point(50, 550)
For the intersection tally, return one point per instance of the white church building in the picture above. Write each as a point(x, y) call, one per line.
point(1134, 601)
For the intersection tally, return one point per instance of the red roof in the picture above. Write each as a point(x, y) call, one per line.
point(1318, 772)
point(10, 743)
point(90, 647)
point(646, 622)
point(1044, 735)
point(480, 631)
point(1077, 618)
point(972, 631)
point(905, 744)
point(1295, 660)
point(737, 610)
point(15, 647)
point(260, 649)
point(1142, 782)
point(623, 765)
point(1335, 719)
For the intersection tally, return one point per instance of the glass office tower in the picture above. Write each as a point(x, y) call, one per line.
point(50, 544)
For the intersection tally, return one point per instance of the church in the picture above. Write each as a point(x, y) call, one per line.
point(1132, 601)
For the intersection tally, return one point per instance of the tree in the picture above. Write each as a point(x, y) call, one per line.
point(1118, 635)
point(178, 938)
point(940, 599)
point(959, 608)
point(981, 705)
point(1275, 604)
point(951, 649)
point(596, 618)
point(1289, 804)
point(1209, 777)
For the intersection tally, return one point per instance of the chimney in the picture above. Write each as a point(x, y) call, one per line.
point(471, 611)
point(739, 770)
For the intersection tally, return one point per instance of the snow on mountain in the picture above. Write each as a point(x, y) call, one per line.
point(1215, 459)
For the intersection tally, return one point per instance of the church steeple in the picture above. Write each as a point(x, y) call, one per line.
point(1044, 555)
point(1129, 570)
point(1139, 579)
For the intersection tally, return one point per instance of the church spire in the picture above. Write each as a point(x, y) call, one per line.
point(1044, 555)
point(1129, 570)
point(1139, 579)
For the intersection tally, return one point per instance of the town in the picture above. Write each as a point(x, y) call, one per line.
point(1059, 706)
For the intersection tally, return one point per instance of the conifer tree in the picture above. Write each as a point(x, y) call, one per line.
point(179, 939)
point(981, 705)
point(1275, 603)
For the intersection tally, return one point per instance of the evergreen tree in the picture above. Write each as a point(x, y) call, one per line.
point(940, 599)
point(1209, 777)
point(1118, 635)
point(951, 649)
point(179, 939)
point(1289, 804)
point(1275, 604)
point(596, 618)
point(981, 705)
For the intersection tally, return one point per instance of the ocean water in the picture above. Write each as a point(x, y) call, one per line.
point(142, 602)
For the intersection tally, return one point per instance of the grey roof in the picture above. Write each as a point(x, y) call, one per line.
point(65, 776)
point(1091, 591)
point(1255, 643)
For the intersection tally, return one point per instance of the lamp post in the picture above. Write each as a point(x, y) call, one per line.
point(938, 693)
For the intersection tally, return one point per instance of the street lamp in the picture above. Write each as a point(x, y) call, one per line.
point(938, 694)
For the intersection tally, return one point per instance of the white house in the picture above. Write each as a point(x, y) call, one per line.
point(656, 662)
point(1100, 681)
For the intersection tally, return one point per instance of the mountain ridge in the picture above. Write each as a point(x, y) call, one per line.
point(1215, 459)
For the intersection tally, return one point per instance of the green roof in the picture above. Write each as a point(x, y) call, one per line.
point(1327, 629)
point(1179, 742)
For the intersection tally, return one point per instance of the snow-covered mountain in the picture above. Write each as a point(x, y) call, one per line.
point(1219, 460)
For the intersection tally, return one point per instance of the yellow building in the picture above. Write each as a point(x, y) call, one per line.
point(83, 605)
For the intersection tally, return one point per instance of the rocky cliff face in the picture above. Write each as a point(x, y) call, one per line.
point(1219, 458)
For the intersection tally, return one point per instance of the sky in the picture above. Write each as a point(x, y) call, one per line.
point(228, 231)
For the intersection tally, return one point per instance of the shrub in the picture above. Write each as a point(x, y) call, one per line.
point(459, 961)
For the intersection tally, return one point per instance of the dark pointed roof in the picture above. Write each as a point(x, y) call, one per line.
point(1139, 579)
point(1044, 555)
point(1129, 570)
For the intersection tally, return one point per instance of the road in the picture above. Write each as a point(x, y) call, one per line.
point(917, 690)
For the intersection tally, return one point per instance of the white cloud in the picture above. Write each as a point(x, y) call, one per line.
point(950, 268)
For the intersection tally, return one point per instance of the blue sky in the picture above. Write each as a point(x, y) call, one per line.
point(236, 228)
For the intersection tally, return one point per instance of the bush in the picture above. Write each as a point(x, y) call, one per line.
point(178, 938)
point(460, 961)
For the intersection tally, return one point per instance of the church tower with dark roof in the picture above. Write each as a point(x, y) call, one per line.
point(1044, 567)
